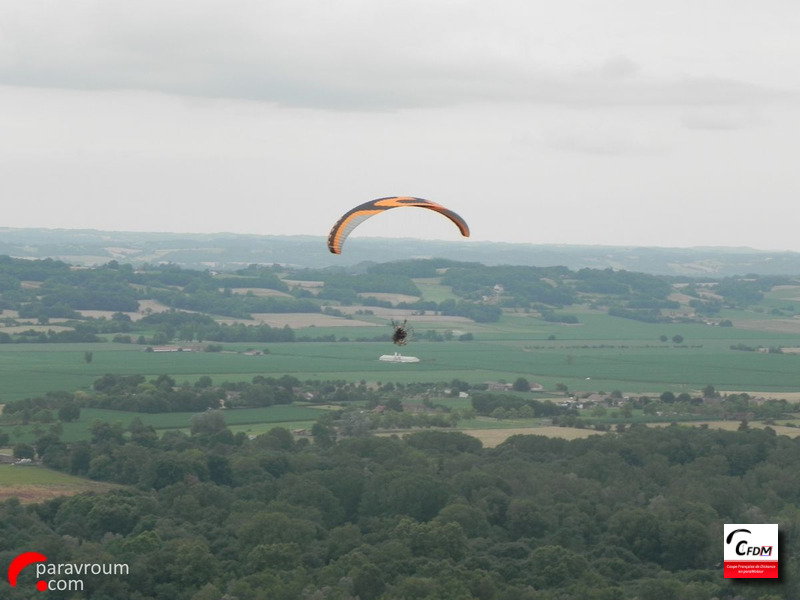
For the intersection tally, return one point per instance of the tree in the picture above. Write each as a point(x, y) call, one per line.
point(24, 451)
point(659, 589)
point(208, 423)
point(56, 456)
point(677, 339)
point(555, 566)
point(88, 356)
point(277, 438)
point(354, 423)
point(667, 397)
point(141, 434)
point(164, 382)
point(323, 435)
point(204, 382)
point(80, 458)
point(367, 581)
point(471, 519)
point(172, 467)
point(116, 512)
point(288, 382)
point(219, 469)
point(106, 433)
point(521, 385)
point(394, 404)
point(44, 442)
point(208, 592)
point(69, 412)
point(650, 409)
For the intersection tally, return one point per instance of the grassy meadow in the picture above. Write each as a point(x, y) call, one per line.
point(599, 353)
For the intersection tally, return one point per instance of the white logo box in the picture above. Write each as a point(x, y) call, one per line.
point(751, 541)
point(751, 551)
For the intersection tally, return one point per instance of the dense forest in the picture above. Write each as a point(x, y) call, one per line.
point(211, 515)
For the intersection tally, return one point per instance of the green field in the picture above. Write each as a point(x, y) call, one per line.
point(33, 475)
point(258, 420)
point(599, 353)
point(432, 289)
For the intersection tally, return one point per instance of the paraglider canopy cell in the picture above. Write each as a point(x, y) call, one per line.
point(354, 217)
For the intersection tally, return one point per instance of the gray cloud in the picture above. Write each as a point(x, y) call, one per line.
point(612, 145)
point(613, 138)
point(720, 118)
point(354, 56)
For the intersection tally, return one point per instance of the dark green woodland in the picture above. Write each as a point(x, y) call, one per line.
point(632, 514)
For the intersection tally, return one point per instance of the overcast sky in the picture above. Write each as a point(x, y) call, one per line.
point(622, 122)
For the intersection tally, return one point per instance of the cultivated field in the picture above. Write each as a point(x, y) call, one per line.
point(263, 292)
point(313, 287)
point(734, 426)
point(432, 289)
point(145, 307)
point(771, 325)
point(601, 353)
point(33, 484)
point(301, 320)
point(403, 313)
point(294, 320)
point(20, 328)
point(494, 437)
point(393, 298)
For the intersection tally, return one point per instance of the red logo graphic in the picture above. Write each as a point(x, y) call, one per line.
point(22, 561)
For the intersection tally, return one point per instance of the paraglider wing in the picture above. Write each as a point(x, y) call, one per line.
point(354, 217)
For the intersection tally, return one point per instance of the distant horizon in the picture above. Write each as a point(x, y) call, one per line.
point(398, 238)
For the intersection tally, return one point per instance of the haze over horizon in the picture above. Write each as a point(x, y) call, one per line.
point(453, 242)
point(671, 125)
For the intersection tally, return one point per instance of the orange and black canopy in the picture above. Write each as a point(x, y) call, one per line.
point(354, 217)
